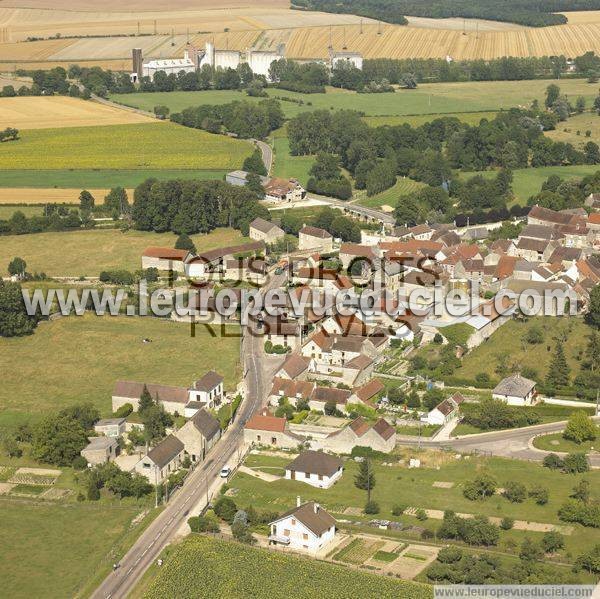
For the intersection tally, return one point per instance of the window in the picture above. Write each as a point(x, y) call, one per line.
point(273, 440)
point(286, 532)
point(320, 477)
point(258, 437)
point(307, 475)
point(293, 522)
point(305, 537)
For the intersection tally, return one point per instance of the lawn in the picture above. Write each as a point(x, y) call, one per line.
point(98, 178)
point(78, 359)
point(201, 566)
point(391, 196)
point(76, 253)
point(52, 550)
point(555, 442)
point(430, 98)
point(267, 463)
point(397, 485)
point(528, 181)
point(153, 145)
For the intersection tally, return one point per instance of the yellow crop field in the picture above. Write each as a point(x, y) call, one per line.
point(59, 111)
point(134, 146)
point(36, 195)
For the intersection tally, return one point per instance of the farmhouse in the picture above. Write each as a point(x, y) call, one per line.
point(315, 468)
point(308, 527)
point(100, 450)
point(295, 367)
point(162, 460)
point(294, 391)
point(284, 190)
point(280, 331)
point(263, 230)
point(266, 429)
point(173, 399)
point(367, 393)
point(321, 396)
point(199, 434)
point(313, 238)
point(516, 390)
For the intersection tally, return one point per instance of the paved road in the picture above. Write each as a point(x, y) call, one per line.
point(258, 373)
point(508, 443)
point(382, 217)
point(267, 154)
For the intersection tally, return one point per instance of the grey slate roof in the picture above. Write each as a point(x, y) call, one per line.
point(166, 451)
point(209, 381)
point(515, 385)
point(315, 462)
point(313, 516)
point(208, 426)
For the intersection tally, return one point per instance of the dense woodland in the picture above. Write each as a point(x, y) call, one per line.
point(193, 206)
point(535, 13)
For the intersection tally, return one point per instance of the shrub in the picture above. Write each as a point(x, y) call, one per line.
point(577, 511)
point(225, 509)
point(507, 523)
point(124, 411)
point(450, 555)
point(398, 510)
point(515, 492)
point(203, 524)
point(539, 494)
point(371, 507)
point(552, 541)
point(481, 487)
point(575, 462)
point(421, 515)
point(553, 461)
point(79, 463)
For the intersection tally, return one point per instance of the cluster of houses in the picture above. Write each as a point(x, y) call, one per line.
point(190, 442)
point(276, 188)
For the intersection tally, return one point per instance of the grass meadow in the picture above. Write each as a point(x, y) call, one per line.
point(429, 98)
point(79, 358)
point(509, 340)
point(391, 196)
point(88, 252)
point(397, 485)
point(152, 146)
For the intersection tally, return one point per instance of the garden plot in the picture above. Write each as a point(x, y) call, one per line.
point(35, 476)
point(413, 560)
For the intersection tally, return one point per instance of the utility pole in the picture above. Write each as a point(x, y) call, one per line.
point(597, 402)
point(155, 486)
point(155, 27)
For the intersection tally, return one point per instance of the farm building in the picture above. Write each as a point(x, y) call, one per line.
point(162, 460)
point(313, 238)
point(263, 230)
point(100, 450)
point(110, 427)
point(266, 429)
point(199, 434)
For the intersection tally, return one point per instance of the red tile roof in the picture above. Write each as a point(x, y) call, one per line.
point(261, 422)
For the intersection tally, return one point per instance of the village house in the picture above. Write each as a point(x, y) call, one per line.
point(110, 427)
point(294, 391)
point(350, 252)
point(266, 231)
point(208, 390)
point(315, 468)
point(313, 238)
point(172, 399)
point(359, 433)
point(211, 263)
point(445, 411)
point(162, 460)
point(199, 435)
point(100, 450)
point(516, 390)
point(266, 429)
point(307, 527)
point(281, 331)
point(321, 396)
point(368, 393)
point(251, 270)
point(295, 367)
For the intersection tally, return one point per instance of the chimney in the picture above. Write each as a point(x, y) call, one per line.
point(298, 501)
point(137, 59)
point(317, 508)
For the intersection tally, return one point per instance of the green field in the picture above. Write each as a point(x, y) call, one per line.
point(430, 98)
point(391, 196)
point(528, 181)
point(78, 359)
point(288, 166)
point(397, 485)
point(470, 118)
point(509, 339)
point(87, 253)
point(555, 442)
point(152, 145)
point(205, 567)
point(53, 550)
point(574, 129)
point(98, 178)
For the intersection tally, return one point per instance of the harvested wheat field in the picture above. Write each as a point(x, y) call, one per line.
point(36, 195)
point(58, 111)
